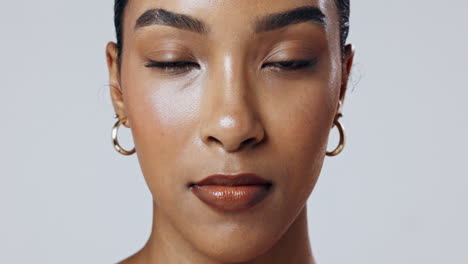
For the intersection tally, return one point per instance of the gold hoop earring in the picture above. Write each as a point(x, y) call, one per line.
point(342, 142)
point(115, 141)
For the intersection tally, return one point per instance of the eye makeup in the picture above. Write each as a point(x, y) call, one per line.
point(175, 58)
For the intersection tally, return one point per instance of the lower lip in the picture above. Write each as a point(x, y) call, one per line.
point(231, 198)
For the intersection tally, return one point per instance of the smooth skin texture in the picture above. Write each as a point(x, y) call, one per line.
point(233, 108)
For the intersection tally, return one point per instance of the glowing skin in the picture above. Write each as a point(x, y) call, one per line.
point(233, 109)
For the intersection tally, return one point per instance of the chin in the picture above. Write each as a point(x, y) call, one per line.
point(237, 237)
point(236, 244)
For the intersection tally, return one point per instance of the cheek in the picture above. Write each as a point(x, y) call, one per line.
point(299, 124)
point(172, 105)
point(163, 117)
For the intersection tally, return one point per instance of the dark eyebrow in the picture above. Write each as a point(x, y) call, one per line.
point(159, 16)
point(294, 16)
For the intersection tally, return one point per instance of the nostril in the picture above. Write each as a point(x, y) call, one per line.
point(211, 138)
point(247, 142)
point(244, 144)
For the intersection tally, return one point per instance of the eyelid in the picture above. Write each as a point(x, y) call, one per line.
point(161, 64)
point(171, 60)
point(288, 56)
point(170, 55)
point(292, 65)
point(173, 68)
point(298, 58)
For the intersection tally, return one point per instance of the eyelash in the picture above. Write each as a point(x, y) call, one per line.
point(173, 66)
point(293, 65)
point(183, 66)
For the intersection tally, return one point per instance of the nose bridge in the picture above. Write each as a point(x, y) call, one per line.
point(229, 118)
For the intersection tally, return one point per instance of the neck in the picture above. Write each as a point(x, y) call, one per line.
point(166, 245)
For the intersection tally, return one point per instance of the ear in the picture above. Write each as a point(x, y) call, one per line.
point(345, 73)
point(114, 80)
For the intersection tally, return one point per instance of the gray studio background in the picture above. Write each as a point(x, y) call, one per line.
point(396, 195)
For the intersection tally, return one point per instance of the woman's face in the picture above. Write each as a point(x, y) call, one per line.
point(252, 92)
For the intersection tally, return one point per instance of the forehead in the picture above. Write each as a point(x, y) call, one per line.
point(228, 15)
point(231, 21)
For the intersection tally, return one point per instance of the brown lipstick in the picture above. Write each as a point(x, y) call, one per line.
point(231, 192)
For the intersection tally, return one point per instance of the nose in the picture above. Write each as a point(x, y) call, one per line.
point(229, 119)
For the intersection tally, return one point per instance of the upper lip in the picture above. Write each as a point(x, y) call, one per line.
point(233, 180)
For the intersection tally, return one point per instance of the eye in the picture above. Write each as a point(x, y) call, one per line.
point(291, 65)
point(173, 66)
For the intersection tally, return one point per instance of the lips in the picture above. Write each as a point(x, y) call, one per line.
point(231, 192)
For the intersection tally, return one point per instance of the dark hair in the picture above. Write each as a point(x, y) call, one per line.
point(343, 10)
point(119, 8)
point(342, 6)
